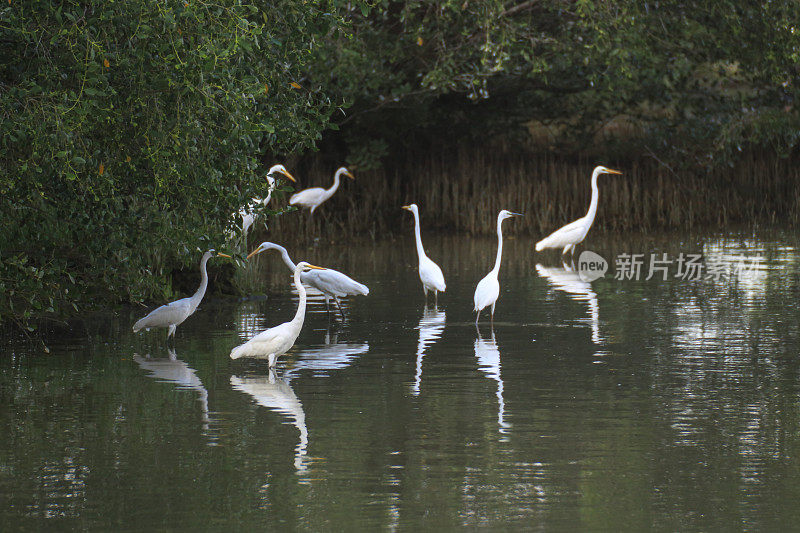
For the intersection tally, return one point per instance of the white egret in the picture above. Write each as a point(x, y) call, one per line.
point(429, 272)
point(331, 283)
point(276, 341)
point(574, 232)
point(248, 212)
point(313, 197)
point(174, 313)
point(488, 288)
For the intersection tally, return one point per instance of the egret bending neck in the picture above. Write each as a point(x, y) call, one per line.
point(285, 256)
point(336, 177)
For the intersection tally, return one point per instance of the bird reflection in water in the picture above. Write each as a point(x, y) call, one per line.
point(330, 356)
point(568, 280)
point(430, 328)
point(173, 370)
point(488, 355)
point(276, 394)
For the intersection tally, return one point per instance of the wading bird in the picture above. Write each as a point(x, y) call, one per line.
point(248, 212)
point(429, 272)
point(574, 232)
point(276, 341)
point(174, 313)
point(331, 283)
point(488, 288)
point(313, 197)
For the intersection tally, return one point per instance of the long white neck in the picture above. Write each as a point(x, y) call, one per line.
point(496, 268)
point(595, 197)
point(201, 291)
point(285, 257)
point(329, 192)
point(300, 315)
point(420, 249)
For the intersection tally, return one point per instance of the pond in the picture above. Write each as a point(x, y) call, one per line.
point(612, 404)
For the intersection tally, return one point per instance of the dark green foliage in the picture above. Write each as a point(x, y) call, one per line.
point(689, 82)
point(132, 130)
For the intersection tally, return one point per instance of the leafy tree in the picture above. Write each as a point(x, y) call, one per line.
point(132, 130)
point(691, 82)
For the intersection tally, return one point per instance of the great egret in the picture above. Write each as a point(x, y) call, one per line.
point(248, 212)
point(174, 313)
point(429, 272)
point(488, 288)
point(276, 341)
point(313, 197)
point(331, 283)
point(574, 232)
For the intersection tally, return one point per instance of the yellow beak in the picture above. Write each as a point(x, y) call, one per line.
point(408, 207)
point(254, 252)
point(314, 267)
point(610, 171)
point(289, 176)
point(349, 175)
point(223, 255)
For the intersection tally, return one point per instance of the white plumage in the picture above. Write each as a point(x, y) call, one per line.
point(248, 212)
point(429, 272)
point(274, 342)
point(574, 232)
point(331, 283)
point(313, 197)
point(174, 313)
point(488, 289)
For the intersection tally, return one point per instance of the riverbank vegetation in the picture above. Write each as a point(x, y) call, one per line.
point(132, 130)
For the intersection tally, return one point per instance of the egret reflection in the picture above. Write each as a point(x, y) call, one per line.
point(276, 394)
point(173, 370)
point(566, 279)
point(331, 356)
point(488, 355)
point(430, 328)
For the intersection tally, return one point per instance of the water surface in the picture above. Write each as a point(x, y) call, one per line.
point(610, 405)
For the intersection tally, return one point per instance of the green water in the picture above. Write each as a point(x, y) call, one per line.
point(604, 406)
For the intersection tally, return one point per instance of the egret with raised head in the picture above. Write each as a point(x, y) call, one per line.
point(488, 289)
point(574, 232)
point(274, 342)
point(313, 197)
point(429, 272)
point(171, 315)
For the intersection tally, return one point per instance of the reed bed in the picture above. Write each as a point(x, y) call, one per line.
point(462, 189)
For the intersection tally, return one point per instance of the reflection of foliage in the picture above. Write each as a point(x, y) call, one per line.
point(693, 82)
point(132, 130)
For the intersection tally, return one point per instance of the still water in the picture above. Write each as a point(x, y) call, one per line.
point(619, 404)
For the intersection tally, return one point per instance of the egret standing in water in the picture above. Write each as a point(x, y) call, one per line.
point(313, 197)
point(331, 283)
point(429, 272)
point(174, 313)
point(276, 341)
point(248, 212)
point(488, 289)
point(574, 232)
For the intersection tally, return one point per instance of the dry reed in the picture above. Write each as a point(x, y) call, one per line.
point(462, 190)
